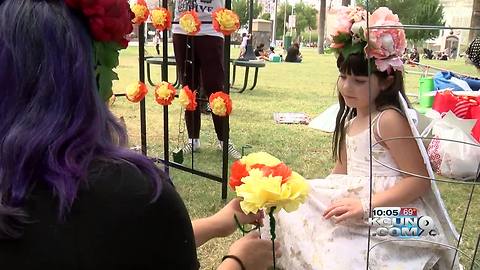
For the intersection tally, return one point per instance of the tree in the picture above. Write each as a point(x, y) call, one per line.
point(417, 12)
point(265, 16)
point(280, 19)
point(321, 25)
point(241, 8)
point(305, 17)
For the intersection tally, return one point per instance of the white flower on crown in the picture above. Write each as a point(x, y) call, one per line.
point(359, 29)
point(388, 44)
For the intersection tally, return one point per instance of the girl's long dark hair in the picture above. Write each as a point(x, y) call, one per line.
point(357, 65)
point(53, 122)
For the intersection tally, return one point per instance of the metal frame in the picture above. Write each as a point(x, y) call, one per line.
point(223, 179)
point(473, 184)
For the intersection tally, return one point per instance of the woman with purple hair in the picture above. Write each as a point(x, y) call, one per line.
point(71, 195)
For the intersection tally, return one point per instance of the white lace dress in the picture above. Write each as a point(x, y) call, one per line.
point(308, 241)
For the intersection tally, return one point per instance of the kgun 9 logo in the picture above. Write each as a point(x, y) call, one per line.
point(390, 222)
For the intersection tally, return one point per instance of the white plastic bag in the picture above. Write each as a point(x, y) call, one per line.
point(453, 159)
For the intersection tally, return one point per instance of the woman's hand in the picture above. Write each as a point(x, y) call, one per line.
point(225, 222)
point(343, 209)
point(222, 223)
point(255, 253)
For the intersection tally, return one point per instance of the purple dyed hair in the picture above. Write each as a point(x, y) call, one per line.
point(53, 122)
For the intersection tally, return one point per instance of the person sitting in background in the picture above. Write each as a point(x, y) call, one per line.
point(260, 52)
point(414, 56)
point(272, 54)
point(293, 54)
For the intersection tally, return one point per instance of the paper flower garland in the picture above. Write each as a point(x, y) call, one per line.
point(189, 22)
point(225, 21)
point(164, 93)
point(141, 12)
point(161, 18)
point(220, 103)
point(188, 99)
point(136, 92)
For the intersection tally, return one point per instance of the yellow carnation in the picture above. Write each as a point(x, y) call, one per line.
point(260, 158)
point(226, 20)
point(163, 91)
point(218, 106)
point(263, 192)
point(183, 98)
point(159, 16)
point(187, 22)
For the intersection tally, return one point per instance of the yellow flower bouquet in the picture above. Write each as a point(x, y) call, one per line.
point(265, 183)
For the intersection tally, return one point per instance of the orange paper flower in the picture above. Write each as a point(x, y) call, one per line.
point(161, 18)
point(164, 93)
point(225, 21)
point(141, 12)
point(188, 99)
point(189, 22)
point(220, 103)
point(136, 92)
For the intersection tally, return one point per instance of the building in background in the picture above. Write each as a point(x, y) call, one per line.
point(456, 13)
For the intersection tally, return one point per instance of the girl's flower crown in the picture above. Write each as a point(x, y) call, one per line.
point(386, 46)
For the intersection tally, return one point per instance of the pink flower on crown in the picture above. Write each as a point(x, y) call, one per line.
point(357, 14)
point(386, 45)
point(344, 22)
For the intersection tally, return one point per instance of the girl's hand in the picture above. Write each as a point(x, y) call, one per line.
point(346, 208)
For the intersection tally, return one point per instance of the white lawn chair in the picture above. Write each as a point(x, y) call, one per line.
point(433, 199)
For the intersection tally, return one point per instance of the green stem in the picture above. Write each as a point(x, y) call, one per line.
point(272, 233)
point(241, 227)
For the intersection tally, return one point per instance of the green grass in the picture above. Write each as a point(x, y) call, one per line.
point(282, 87)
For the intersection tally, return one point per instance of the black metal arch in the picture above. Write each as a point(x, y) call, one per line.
point(143, 122)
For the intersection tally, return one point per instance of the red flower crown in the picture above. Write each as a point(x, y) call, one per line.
point(109, 21)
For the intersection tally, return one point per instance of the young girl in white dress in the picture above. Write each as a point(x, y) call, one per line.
point(330, 230)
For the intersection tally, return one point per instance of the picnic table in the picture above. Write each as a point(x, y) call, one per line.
point(158, 60)
point(247, 64)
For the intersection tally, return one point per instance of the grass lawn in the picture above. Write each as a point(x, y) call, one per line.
point(282, 87)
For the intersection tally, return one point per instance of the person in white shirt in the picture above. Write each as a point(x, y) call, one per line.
point(201, 62)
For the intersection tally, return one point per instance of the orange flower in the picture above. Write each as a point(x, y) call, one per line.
point(238, 171)
point(164, 93)
point(266, 163)
point(136, 92)
point(189, 22)
point(161, 18)
point(278, 170)
point(141, 12)
point(225, 21)
point(188, 99)
point(220, 103)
